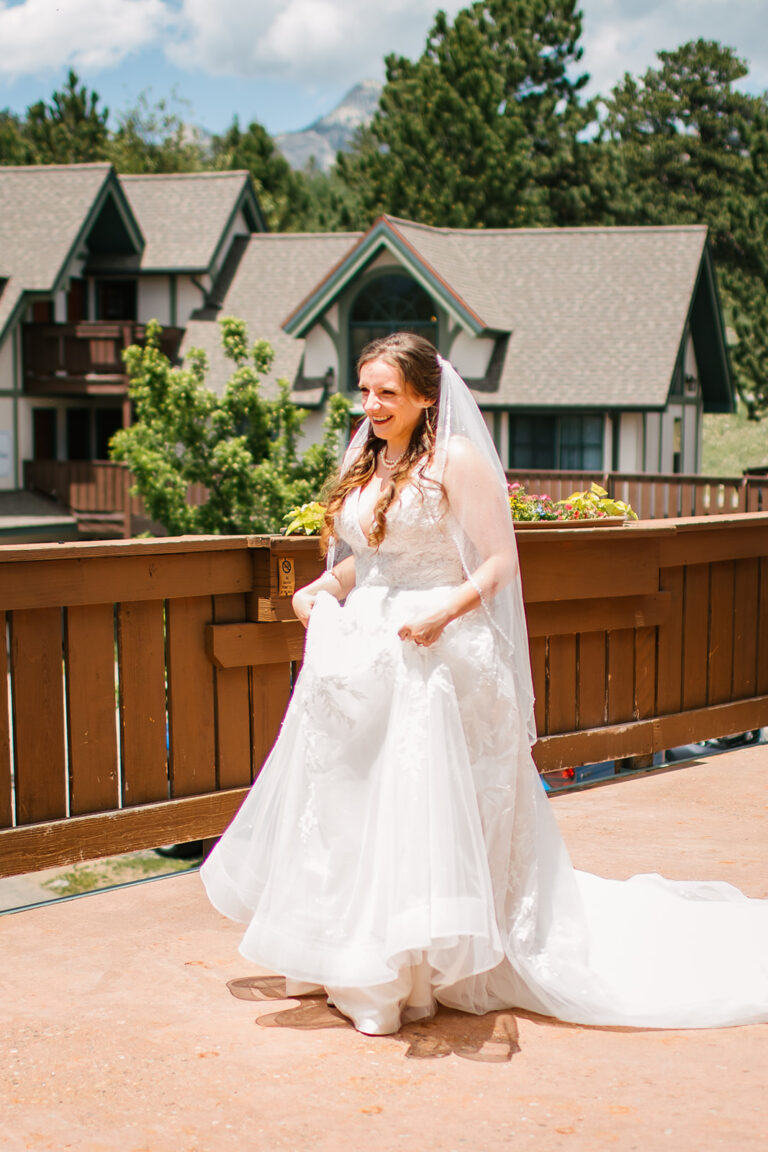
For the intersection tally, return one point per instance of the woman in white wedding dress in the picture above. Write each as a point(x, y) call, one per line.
point(398, 848)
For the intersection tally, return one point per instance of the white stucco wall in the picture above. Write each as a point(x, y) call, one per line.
point(385, 259)
point(652, 430)
point(320, 353)
point(608, 441)
point(630, 442)
point(6, 364)
point(25, 423)
point(672, 413)
point(154, 299)
point(470, 355)
point(331, 317)
point(7, 445)
point(313, 430)
point(503, 446)
point(188, 297)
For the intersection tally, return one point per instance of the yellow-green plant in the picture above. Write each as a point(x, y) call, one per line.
point(593, 504)
point(305, 519)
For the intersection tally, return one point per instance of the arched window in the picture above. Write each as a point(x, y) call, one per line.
point(391, 303)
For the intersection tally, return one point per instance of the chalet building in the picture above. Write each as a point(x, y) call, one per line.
point(87, 257)
point(586, 348)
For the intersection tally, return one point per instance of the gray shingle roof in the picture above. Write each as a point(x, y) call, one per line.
point(274, 273)
point(183, 216)
point(42, 211)
point(595, 315)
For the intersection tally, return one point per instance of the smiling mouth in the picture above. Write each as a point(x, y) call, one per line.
point(380, 419)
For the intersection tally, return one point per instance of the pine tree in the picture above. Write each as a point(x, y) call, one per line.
point(71, 129)
point(154, 138)
point(283, 193)
point(481, 131)
point(686, 147)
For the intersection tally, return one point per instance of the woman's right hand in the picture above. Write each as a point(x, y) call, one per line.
point(303, 602)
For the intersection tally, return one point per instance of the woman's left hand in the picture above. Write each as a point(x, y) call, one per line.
point(427, 629)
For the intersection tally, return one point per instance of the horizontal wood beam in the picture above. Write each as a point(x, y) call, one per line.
point(69, 841)
point(240, 645)
point(581, 567)
point(615, 741)
point(567, 617)
point(110, 579)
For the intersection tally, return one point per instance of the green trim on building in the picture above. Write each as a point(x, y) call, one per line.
point(380, 237)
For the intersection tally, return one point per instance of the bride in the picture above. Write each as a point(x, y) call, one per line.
point(398, 849)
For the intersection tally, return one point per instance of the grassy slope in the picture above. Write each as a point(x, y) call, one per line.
point(733, 443)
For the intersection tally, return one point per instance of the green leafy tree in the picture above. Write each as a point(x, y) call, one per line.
point(483, 129)
point(154, 138)
point(70, 129)
point(241, 446)
point(14, 148)
point(283, 193)
point(682, 145)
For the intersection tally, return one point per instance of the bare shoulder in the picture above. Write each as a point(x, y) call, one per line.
point(465, 463)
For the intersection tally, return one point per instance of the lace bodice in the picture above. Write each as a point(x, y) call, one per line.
point(418, 550)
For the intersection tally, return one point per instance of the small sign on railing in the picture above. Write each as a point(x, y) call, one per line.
point(285, 576)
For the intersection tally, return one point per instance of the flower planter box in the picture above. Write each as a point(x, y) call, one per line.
point(603, 522)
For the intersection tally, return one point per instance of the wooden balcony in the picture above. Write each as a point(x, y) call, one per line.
point(84, 359)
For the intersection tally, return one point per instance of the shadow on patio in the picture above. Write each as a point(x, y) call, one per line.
point(132, 1024)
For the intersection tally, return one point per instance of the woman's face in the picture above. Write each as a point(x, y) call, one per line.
point(391, 405)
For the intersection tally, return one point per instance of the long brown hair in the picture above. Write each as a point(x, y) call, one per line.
point(416, 361)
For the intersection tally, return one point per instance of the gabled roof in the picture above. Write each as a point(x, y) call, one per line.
point(185, 217)
point(588, 317)
point(47, 215)
point(272, 274)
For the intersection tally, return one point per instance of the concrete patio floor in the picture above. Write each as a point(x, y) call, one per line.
point(121, 1035)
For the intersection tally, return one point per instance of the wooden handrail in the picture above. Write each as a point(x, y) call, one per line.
point(148, 678)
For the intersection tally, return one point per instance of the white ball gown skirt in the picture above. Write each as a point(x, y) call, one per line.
point(399, 849)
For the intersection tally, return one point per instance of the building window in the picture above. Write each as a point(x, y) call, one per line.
point(108, 420)
point(391, 303)
point(89, 431)
point(78, 434)
point(44, 433)
point(570, 442)
point(117, 299)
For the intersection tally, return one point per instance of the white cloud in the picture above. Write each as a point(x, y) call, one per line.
point(625, 35)
point(39, 35)
point(310, 41)
point(314, 42)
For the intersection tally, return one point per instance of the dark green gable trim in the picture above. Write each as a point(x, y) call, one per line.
point(248, 203)
point(110, 215)
point(708, 332)
point(382, 235)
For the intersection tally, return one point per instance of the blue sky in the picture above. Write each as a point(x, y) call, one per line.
point(285, 62)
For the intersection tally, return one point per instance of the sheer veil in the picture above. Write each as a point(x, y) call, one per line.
point(468, 466)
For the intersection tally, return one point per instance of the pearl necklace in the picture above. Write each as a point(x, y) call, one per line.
point(390, 464)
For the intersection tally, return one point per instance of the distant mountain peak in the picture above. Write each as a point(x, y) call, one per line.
point(333, 132)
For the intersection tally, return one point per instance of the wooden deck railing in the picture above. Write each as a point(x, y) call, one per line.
point(655, 496)
point(95, 491)
point(101, 488)
point(143, 682)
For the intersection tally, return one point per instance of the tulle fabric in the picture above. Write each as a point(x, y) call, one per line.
point(398, 848)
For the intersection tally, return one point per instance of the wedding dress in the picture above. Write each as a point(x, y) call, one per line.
point(379, 856)
point(398, 847)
